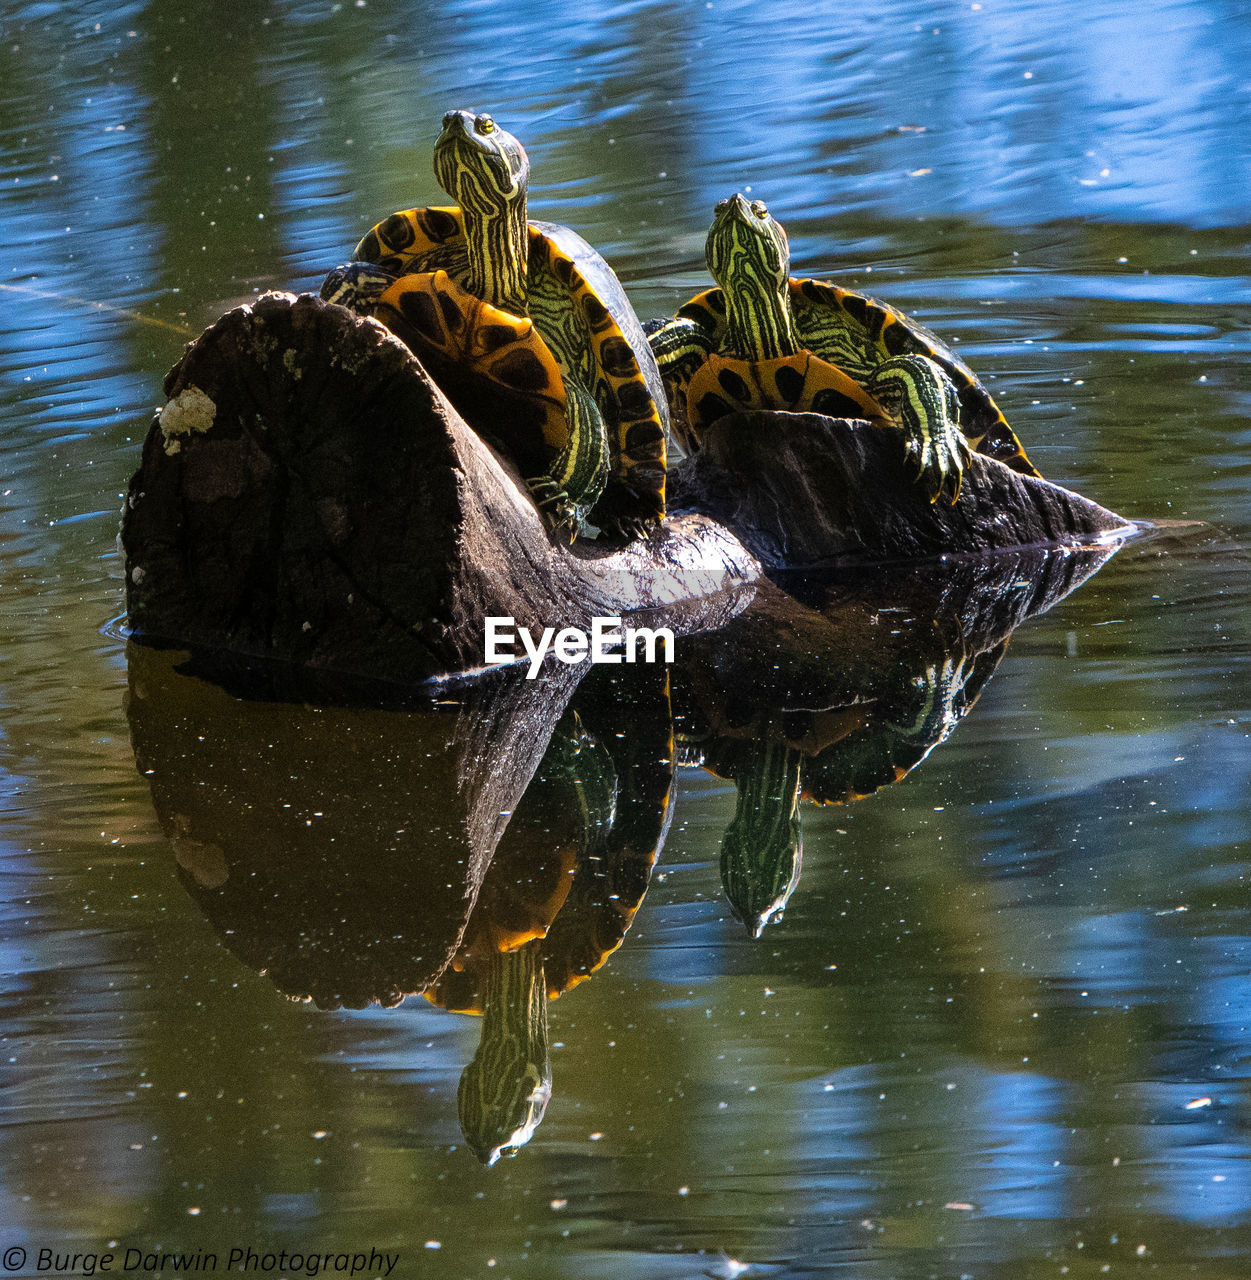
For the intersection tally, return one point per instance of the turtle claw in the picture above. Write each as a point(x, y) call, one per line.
point(618, 516)
point(626, 528)
point(554, 506)
point(939, 464)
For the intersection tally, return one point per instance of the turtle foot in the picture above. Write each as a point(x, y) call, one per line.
point(940, 462)
point(626, 529)
point(623, 513)
point(555, 507)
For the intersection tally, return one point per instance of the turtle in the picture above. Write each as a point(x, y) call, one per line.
point(763, 339)
point(558, 897)
point(534, 311)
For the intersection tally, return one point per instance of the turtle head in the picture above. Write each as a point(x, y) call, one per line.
point(481, 166)
point(762, 856)
point(750, 259)
point(485, 170)
point(501, 1105)
point(504, 1091)
point(745, 243)
point(762, 851)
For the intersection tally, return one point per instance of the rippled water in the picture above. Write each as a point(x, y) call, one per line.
point(1002, 1029)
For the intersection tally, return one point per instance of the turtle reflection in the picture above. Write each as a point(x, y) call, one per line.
point(829, 756)
point(876, 676)
point(499, 970)
point(561, 891)
point(490, 849)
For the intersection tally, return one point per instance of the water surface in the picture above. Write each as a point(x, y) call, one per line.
point(1002, 1028)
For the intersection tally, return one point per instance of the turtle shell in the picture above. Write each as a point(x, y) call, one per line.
point(857, 333)
point(579, 306)
point(802, 382)
point(571, 798)
point(581, 312)
point(429, 239)
point(503, 348)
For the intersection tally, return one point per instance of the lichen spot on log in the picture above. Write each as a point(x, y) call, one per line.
point(190, 410)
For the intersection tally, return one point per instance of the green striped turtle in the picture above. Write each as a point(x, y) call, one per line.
point(765, 340)
point(531, 309)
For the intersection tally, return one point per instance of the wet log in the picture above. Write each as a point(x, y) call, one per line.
point(308, 493)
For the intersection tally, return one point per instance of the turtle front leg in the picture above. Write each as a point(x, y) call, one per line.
point(580, 469)
point(357, 286)
point(918, 395)
point(680, 346)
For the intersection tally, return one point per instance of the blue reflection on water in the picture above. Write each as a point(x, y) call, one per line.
point(925, 109)
point(1020, 1125)
point(639, 117)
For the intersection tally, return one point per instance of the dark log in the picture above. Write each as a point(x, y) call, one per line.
point(801, 490)
point(308, 494)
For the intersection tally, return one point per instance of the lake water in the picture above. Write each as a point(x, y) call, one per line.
point(1004, 1027)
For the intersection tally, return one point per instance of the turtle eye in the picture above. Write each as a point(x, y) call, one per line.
point(760, 209)
point(722, 206)
point(483, 125)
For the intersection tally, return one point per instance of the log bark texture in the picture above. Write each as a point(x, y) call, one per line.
point(801, 490)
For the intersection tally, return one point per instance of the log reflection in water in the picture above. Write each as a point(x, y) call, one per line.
point(488, 842)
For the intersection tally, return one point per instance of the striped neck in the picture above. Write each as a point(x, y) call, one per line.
point(762, 851)
point(749, 257)
point(498, 245)
point(759, 323)
point(504, 1091)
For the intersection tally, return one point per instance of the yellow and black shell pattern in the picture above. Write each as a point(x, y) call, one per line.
point(802, 383)
point(856, 333)
point(430, 239)
point(580, 312)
